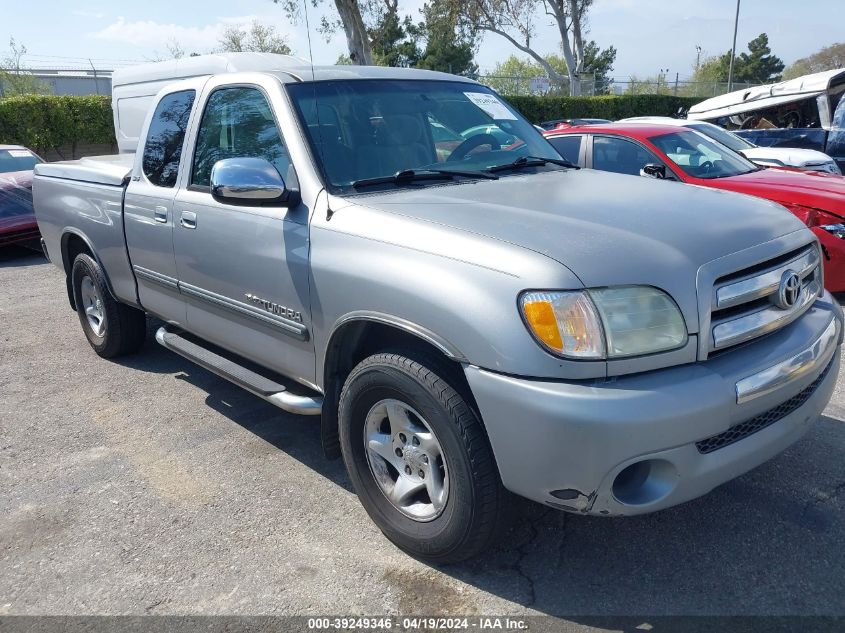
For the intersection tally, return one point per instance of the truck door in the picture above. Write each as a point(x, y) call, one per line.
point(148, 207)
point(243, 270)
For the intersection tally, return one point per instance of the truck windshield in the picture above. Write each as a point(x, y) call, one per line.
point(365, 129)
point(701, 157)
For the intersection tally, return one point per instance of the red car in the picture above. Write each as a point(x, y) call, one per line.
point(681, 154)
point(17, 218)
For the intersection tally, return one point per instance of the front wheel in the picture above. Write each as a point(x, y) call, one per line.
point(419, 459)
point(112, 328)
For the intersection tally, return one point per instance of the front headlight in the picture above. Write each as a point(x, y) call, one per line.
point(605, 322)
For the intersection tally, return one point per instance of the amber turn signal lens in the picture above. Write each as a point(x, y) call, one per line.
point(541, 318)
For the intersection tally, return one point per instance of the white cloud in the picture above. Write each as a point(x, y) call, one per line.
point(151, 34)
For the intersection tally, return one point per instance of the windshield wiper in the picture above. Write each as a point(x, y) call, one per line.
point(407, 176)
point(531, 161)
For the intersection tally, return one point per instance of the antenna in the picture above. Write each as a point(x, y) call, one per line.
point(308, 30)
point(329, 211)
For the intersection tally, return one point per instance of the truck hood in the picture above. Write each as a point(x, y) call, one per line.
point(788, 156)
point(809, 189)
point(607, 229)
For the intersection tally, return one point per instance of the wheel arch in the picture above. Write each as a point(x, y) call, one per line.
point(359, 335)
point(72, 244)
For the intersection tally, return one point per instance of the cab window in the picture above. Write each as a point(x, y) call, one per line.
point(237, 123)
point(620, 156)
point(163, 148)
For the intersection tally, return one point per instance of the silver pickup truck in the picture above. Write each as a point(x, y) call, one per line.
point(469, 319)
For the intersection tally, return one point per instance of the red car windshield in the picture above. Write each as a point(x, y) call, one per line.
point(17, 160)
point(701, 157)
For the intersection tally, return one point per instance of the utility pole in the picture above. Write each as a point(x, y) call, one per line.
point(733, 51)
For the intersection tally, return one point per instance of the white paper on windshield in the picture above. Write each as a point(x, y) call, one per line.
point(491, 105)
point(19, 153)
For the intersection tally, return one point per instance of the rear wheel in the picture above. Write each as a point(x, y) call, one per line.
point(419, 459)
point(112, 328)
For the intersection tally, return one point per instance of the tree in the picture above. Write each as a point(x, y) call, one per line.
point(257, 38)
point(600, 63)
point(450, 40)
point(758, 66)
point(514, 21)
point(350, 18)
point(14, 80)
point(393, 40)
point(829, 58)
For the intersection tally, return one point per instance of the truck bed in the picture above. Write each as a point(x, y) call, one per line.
point(83, 200)
point(103, 170)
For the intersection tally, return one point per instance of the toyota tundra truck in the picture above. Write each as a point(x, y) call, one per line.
point(468, 320)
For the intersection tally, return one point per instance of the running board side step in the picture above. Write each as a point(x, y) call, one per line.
point(263, 387)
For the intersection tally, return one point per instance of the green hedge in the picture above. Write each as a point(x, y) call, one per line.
point(539, 109)
point(45, 123)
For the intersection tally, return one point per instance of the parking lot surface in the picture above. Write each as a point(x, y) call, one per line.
point(150, 486)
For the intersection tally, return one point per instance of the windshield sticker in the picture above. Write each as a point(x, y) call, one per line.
point(491, 105)
point(19, 153)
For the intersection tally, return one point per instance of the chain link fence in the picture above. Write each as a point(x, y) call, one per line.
point(591, 86)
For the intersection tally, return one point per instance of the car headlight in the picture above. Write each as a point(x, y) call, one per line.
point(604, 322)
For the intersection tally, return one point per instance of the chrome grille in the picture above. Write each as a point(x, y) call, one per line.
point(750, 303)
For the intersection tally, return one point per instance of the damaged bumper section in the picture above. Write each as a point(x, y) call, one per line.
point(644, 442)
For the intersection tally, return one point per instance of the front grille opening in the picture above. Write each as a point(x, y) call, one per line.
point(762, 421)
point(761, 267)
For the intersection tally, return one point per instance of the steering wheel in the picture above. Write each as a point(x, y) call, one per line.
point(706, 166)
point(471, 143)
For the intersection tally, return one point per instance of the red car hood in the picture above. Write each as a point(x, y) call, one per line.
point(809, 189)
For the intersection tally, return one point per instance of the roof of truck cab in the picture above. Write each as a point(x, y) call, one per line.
point(287, 68)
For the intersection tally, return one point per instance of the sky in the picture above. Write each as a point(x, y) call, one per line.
point(650, 35)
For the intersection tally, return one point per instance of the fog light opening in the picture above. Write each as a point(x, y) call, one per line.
point(645, 482)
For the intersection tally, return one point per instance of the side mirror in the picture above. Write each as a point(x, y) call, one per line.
point(653, 171)
point(250, 181)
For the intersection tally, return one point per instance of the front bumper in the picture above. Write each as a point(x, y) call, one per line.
point(645, 442)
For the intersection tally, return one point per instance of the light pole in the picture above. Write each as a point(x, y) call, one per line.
point(697, 56)
point(733, 51)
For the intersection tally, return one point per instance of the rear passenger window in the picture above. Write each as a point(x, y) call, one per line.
point(568, 146)
point(165, 138)
point(238, 123)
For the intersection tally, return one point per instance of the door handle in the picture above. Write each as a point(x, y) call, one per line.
point(188, 220)
point(160, 214)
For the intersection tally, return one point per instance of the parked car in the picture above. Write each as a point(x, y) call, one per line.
point(680, 154)
point(807, 112)
point(559, 124)
point(495, 323)
point(803, 159)
point(17, 218)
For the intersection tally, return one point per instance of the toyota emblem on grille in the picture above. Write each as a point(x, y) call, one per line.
point(789, 290)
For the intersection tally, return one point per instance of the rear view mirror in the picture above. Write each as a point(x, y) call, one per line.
point(653, 171)
point(249, 181)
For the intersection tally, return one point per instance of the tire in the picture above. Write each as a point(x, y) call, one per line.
point(112, 328)
point(459, 511)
